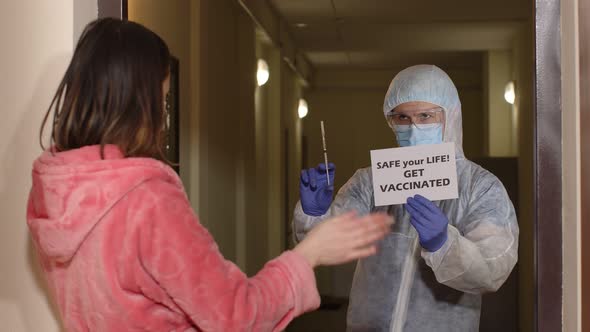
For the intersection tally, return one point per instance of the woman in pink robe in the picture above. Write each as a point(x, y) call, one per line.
point(119, 244)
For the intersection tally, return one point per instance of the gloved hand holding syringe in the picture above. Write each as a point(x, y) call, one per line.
point(316, 186)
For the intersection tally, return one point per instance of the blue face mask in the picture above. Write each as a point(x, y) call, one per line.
point(410, 135)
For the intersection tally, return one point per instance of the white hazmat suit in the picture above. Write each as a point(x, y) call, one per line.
point(404, 287)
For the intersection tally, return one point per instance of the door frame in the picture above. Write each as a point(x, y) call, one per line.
point(584, 48)
point(112, 8)
point(547, 167)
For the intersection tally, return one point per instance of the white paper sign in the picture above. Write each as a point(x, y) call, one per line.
point(428, 170)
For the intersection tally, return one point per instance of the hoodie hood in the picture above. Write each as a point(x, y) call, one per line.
point(73, 190)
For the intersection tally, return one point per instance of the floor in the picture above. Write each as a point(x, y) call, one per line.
point(330, 317)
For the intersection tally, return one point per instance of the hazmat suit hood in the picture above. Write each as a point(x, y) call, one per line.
point(428, 83)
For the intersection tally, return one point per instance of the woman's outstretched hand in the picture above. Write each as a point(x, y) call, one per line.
point(344, 238)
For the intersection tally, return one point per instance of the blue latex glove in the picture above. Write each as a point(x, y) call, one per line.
point(429, 221)
point(316, 195)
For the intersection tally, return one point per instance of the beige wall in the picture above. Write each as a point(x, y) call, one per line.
point(278, 154)
point(570, 89)
point(259, 227)
point(500, 140)
point(37, 41)
point(471, 92)
point(269, 158)
point(247, 206)
point(171, 21)
point(291, 91)
point(218, 130)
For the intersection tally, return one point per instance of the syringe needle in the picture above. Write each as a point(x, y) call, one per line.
point(325, 151)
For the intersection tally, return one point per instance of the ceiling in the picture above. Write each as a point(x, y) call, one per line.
point(395, 33)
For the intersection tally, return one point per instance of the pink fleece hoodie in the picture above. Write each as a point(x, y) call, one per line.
point(122, 250)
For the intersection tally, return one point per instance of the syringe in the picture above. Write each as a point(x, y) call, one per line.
point(325, 151)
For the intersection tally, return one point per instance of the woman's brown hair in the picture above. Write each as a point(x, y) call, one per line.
point(111, 92)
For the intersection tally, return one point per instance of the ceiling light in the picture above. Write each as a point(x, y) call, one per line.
point(510, 93)
point(262, 74)
point(302, 110)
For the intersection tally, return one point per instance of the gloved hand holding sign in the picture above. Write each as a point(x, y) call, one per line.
point(429, 221)
point(316, 195)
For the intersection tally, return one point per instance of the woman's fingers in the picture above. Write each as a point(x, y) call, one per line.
point(346, 237)
point(367, 230)
point(376, 220)
point(366, 238)
point(362, 252)
point(347, 218)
